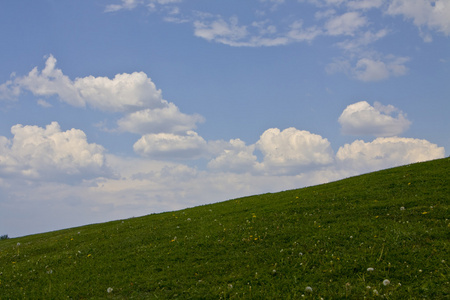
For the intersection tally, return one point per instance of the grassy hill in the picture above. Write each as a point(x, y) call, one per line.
point(383, 234)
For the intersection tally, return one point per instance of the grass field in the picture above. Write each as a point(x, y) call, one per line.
point(380, 235)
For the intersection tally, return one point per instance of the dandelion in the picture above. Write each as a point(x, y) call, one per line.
point(402, 208)
point(370, 269)
point(308, 289)
point(386, 282)
point(109, 290)
point(375, 292)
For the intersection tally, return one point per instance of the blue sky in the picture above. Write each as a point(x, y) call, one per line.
point(113, 109)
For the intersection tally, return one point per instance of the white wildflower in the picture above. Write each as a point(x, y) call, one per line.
point(109, 290)
point(386, 282)
point(308, 289)
point(370, 269)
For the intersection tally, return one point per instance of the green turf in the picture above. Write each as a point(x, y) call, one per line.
point(315, 242)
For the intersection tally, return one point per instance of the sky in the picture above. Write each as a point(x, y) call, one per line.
point(122, 108)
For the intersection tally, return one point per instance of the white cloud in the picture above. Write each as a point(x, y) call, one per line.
point(134, 94)
point(49, 82)
point(433, 14)
point(289, 150)
point(345, 24)
point(363, 40)
point(299, 34)
point(370, 68)
point(385, 153)
point(43, 103)
point(171, 146)
point(125, 92)
point(49, 154)
point(235, 157)
point(126, 4)
point(363, 119)
point(159, 120)
point(257, 34)
point(365, 4)
point(9, 91)
point(229, 33)
point(367, 69)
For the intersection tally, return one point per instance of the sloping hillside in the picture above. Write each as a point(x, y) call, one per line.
point(381, 234)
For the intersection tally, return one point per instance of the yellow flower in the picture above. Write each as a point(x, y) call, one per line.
point(424, 213)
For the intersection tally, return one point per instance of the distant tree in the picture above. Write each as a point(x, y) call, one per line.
point(4, 237)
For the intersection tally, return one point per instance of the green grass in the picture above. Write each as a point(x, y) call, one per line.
point(270, 246)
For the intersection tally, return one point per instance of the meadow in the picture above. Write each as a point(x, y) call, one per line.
point(380, 235)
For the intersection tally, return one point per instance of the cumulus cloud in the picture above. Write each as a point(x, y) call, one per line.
point(170, 146)
point(385, 153)
point(134, 95)
point(160, 120)
point(288, 150)
point(363, 119)
point(235, 157)
point(37, 153)
point(432, 14)
point(125, 92)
